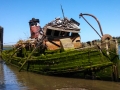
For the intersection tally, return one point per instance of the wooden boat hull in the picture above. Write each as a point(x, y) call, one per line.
point(86, 61)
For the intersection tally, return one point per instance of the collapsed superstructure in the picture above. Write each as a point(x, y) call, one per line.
point(52, 35)
point(60, 29)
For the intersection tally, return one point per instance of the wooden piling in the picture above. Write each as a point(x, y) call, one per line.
point(1, 40)
point(116, 71)
point(0, 51)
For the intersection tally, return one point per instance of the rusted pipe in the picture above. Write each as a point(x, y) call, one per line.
point(91, 25)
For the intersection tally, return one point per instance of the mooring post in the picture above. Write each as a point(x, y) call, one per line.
point(0, 51)
point(116, 70)
point(118, 61)
point(1, 40)
point(117, 64)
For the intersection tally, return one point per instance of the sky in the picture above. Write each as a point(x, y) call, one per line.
point(15, 15)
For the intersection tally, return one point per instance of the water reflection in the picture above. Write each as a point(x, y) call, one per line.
point(1, 76)
point(14, 80)
point(8, 80)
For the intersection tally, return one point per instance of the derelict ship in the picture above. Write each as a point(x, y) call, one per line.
point(57, 49)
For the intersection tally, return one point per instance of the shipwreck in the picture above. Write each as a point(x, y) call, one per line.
point(57, 49)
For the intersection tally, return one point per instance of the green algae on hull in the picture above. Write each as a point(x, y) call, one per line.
point(57, 62)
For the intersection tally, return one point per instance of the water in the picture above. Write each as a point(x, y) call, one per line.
point(11, 79)
point(8, 79)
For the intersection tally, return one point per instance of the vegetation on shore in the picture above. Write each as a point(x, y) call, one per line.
point(118, 38)
point(6, 47)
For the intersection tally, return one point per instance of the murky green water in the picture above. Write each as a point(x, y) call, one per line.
point(11, 79)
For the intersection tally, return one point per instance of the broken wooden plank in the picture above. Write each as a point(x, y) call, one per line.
point(66, 44)
point(66, 30)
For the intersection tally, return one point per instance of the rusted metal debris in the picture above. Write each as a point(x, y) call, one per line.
point(103, 37)
point(81, 15)
point(65, 24)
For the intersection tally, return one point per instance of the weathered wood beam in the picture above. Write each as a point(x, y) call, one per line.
point(65, 30)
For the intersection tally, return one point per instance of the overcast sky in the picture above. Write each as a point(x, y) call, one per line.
point(15, 15)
